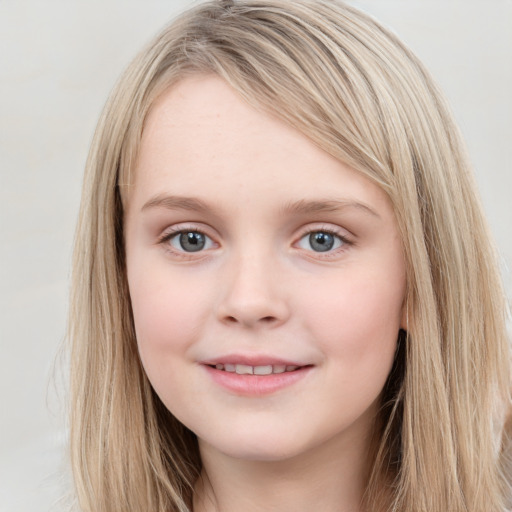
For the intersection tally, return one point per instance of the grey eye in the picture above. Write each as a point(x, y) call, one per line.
point(190, 241)
point(320, 241)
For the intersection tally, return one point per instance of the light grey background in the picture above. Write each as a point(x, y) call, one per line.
point(58, 60)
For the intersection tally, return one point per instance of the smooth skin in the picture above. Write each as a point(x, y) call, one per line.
point(244, 238)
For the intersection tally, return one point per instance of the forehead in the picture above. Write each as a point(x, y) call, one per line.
point(203, 118)
point(201, 139)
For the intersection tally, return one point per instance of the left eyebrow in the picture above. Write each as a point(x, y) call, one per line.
point(330, 205)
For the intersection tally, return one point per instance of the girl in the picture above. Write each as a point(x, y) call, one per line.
point(285, 296)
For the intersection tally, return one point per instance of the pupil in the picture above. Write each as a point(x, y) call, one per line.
point(321, 242)
point(192, 242)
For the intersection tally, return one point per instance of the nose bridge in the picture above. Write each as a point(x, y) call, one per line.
point(252, 293)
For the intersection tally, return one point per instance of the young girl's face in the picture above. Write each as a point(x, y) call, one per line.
point(266, 278)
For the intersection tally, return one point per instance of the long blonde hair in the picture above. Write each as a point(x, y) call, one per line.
point(357, 92)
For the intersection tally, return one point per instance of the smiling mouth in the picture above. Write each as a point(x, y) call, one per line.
point(244, 369)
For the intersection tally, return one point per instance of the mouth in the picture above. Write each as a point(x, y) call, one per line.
point(245, 369)
point(262, 377)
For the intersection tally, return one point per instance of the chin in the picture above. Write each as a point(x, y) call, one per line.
point(261, 448)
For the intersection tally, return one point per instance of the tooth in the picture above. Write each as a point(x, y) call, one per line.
point(290, 368)
point(219, 366)
point(263, 370)
point(230, 368)
point(243, 369)
point(279, 368)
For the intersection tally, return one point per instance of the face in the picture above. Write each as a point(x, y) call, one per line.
point(266, 278)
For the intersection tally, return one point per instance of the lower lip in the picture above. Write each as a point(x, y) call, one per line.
point(256, 385)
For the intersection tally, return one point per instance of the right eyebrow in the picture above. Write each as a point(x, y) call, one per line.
point(177, 203)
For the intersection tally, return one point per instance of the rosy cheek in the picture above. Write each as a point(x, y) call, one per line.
point(154, 314)
point(168, 310)
point(359, 316)
point(157, 315)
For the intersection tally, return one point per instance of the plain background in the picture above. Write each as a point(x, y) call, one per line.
point(58, 61)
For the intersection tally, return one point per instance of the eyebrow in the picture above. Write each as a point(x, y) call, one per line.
point(331, 205)
point(177, 203)
point(302, 206)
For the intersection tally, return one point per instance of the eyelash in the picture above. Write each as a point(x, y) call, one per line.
point(173, 232)
point(345, 242)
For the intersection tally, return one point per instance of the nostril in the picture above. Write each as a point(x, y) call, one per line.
point(265, 320)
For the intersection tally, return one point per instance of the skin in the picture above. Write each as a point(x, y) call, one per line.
point(260, 288)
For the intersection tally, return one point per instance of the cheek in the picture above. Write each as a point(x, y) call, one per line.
point(168, 311)
point(167, 315)
point(357, 319)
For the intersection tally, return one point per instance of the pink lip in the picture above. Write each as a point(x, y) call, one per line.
point(255, 385)
point(251, 360)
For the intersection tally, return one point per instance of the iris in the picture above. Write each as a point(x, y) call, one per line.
point(321, 241)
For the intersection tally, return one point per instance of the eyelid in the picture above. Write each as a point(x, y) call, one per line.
point(340, 233)
point(208, 242)
point(344, 235)
point(172, 231)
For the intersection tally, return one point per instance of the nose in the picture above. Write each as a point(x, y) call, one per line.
point(252, 294)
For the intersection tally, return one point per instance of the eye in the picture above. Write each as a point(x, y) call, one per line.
point(321, 241)
point(190, 241)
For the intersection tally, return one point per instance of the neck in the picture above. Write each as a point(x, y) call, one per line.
point(315, 480)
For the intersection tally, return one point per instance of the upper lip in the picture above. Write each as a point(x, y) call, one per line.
point(252, 360)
